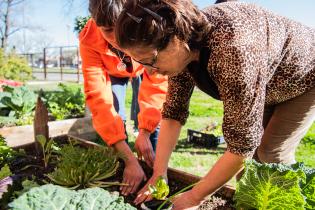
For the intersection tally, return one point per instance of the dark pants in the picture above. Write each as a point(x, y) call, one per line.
point(119, 88)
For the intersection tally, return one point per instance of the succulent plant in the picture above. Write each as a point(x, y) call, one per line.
point(85, 167)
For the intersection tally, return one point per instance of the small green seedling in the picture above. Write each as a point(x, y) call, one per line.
point(160, 190)
point(47, 147)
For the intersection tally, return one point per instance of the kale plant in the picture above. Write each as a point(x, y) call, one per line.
point(60, 198)
point(85, 167)
point(275, 186)
point(18, 102)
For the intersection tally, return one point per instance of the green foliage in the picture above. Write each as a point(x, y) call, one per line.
point(160, 190)
point(27, 185)
point(5, 172)
point(85, 167)
point(18, 102)
point(308, 188)
point(14, 67)
point(6, 152)
point(79, 23)
point(48, 147)
point(69, 102)
point(5, 182)
point(59, 198)
point(270, 186)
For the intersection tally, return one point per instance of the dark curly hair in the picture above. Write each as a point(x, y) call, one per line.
point(154, 22)
point(105, 12)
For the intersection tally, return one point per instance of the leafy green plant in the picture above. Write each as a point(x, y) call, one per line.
point(6, 152)
point(168, 200)
point(270, 186)
point(48, 148)
point(14, 67)
point(5, 179)
point(85, 167)
point(69, 102)
point(160, 190)
point(60, 198)
point(18, 102)
point(5, 172)
point(79, 23)
point(308, 188)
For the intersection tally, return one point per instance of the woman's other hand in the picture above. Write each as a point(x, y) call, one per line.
point(144, 147)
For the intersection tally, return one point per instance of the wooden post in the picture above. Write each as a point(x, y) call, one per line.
point(45, 67)
point(78, 67)
point(61, 60)
point(40, 122)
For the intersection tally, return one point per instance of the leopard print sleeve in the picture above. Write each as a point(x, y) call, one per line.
point(180, 88)
point(240, 77)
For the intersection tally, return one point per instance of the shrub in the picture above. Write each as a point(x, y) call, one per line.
point(14, 67)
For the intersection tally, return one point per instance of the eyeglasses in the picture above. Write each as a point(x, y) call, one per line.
point(154, 60)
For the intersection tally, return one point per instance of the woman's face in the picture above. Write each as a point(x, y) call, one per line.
point(109, 35)
point(170, 61)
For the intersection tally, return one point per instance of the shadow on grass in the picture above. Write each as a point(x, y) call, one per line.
point(183, 146)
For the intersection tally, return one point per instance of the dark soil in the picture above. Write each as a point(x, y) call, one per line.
point(29, 166)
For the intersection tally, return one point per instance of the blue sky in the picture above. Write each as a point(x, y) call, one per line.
point(57, 21)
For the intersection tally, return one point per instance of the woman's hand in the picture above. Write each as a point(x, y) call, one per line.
point(133, 173)
point(144, 148)
point(144, 194)
point(133, 176)
point(186, 200)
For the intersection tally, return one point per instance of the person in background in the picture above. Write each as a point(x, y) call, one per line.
point(102, 64)
point(261, 65)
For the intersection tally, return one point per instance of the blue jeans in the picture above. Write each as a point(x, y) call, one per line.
point(134, 111)
point(119, 88)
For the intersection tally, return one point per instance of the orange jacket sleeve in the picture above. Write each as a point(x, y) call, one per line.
point(151, 97)
point(99, 98)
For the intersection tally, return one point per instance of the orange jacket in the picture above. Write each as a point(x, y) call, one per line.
point(97, 63)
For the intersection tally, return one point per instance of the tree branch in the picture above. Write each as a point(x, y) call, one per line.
point(14, 31)
point(16, 3)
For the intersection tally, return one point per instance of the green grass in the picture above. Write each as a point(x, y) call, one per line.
point(48, 86)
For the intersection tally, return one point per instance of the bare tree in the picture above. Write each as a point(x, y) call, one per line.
point(8, 25)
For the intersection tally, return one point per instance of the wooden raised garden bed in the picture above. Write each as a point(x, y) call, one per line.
point(177, 179)
point(81, 132)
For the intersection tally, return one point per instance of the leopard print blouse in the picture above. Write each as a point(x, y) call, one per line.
point(257, 59)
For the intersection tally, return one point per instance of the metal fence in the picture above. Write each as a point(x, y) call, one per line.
point(56, 63)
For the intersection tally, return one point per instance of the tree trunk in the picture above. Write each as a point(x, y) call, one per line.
point(4, 40)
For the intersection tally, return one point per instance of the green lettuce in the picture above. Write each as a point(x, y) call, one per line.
point(160, 190)
point(60, 198)
point(270, 186)
point(308, 188)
